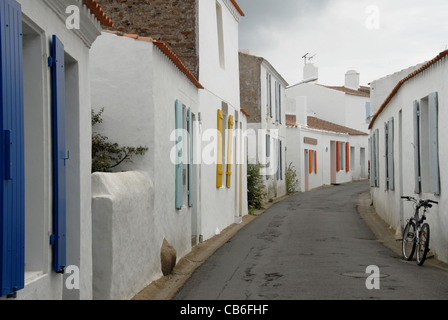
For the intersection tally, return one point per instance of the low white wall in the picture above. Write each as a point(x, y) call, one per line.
point(126, 244)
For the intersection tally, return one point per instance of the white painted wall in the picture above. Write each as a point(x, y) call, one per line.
point(43, 19)
point(139, 101)
point(388, 203)
point(221, 85)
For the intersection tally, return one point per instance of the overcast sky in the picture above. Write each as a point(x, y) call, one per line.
point(376, 37)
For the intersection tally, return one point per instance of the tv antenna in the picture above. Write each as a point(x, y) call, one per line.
point(308, 58)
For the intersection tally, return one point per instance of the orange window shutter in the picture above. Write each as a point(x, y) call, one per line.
point(338, 156)
point(347, 157)
point(310, 154)
point(315, 162)
point(219, 171)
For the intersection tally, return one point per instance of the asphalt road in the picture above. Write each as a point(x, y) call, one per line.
point(311, 246)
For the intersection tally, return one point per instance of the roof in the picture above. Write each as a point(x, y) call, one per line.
point(267, 64)
point(167, 51)
point(319, 124)
point(397, 88)
point(245, 113)
point(361, 92)
point(98, 12)
point(237, 7)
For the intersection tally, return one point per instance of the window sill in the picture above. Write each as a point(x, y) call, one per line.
point(32, 276)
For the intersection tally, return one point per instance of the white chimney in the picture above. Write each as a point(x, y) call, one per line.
point(352, 80)
point(310, 72)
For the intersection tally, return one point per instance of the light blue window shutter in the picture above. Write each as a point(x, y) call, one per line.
point(386, 155)
point(417, 169)
point(57, 63)
point(12, 187)
point(190, 158)
point(434, 172)
point(280, 103)
point(372, 173)
point(377, 158)
point(179, 154)
point(390, 148)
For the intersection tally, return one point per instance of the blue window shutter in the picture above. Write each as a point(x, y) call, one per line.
point(59, 155)
point(417, 170)
point(190, 158)
point(179, 154)
point(434, 171)
point(12, 214)
point(390, 148)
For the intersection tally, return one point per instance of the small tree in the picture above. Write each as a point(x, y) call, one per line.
point(291, 179)
point(255, 187)
point(107, 155)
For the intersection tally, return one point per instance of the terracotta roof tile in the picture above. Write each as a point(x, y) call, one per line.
point(237, 8)
point(439, 57)
point(96, 9)
point(362, 92)
point(319, 124)
point(167, 51)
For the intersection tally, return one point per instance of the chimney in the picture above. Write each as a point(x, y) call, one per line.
point(310, 72)
point(352, 80)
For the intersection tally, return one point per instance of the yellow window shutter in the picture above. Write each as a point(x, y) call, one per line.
point(219, 171)
point(229, 153)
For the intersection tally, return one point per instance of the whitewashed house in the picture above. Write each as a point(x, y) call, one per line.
point(184, 107)
point(262, 96)
point(45, 227)
point(408, 153)
point(326, 137)
point(324, 153)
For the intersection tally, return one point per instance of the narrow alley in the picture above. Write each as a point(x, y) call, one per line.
point(311, 246)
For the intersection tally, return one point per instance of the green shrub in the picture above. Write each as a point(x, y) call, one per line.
point(291, 180)
point(107, 155)
point(255, 187)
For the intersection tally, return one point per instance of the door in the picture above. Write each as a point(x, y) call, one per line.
point(306, 172)
point(12, 215)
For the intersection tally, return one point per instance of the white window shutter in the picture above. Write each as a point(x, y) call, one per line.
point(417, 170)
point(391, 165)
point(434, 144)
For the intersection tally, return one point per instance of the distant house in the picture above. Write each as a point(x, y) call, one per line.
point(327, 139)
point(407, 153)
point(174, 90)
point(45, 227)
point(324, 153)
point(263, 95)
point(347, 105)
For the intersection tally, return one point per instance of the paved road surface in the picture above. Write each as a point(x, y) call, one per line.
point(311, 246)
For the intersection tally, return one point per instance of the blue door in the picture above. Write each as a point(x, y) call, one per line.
point(12, 190)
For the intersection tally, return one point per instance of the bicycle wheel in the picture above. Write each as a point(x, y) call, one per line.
point(408, 242)
point(423, 244)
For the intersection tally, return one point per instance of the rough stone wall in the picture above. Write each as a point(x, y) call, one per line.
point(171, 21)
point(250, 86)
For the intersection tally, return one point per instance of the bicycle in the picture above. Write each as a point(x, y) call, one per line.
point(416, 233)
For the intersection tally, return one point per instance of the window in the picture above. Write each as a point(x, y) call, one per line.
point(367, 112)
point(374, 165)
point(268, 156)
point(269, 93)
point(352, 157)
point(426, 141)
point(389, 154)
point(220, 29)
point(184, 156)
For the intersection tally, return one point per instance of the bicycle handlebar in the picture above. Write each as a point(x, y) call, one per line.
point(421, 202)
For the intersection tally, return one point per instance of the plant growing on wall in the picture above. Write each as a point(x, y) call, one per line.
point(291, 179)
point(108, 155)
point(255, 187)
